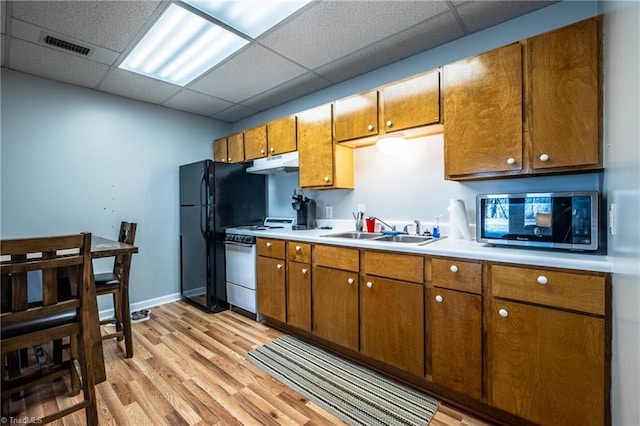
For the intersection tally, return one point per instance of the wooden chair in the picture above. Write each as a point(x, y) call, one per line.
point(24, 325)
point(116, 283)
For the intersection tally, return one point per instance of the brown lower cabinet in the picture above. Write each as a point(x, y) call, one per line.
point(455, 324)
point(392, 322)
point(299, 295)
point(335, 306)
point(517, 344)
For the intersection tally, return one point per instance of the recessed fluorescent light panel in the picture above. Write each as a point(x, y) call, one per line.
point(181, 46)
point(252, 17)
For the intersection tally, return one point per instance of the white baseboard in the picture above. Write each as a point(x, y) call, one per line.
point(145, 304)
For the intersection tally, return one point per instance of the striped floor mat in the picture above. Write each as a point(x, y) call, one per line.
point(355, 394)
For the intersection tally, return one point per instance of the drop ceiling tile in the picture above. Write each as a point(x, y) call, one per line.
point(253, 70)
point(110, 24)
point(478, 15)
point(424, 36)
point(197, 103)
point(54, 64)
point(235, 113)
point(296, 88)
point(334, 29)
point(136, 86)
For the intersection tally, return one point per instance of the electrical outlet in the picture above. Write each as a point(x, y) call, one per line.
point(360, 207)
point(328, 212)
point(612, 219)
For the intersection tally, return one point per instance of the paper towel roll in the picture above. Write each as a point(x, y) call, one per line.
point(458, 222)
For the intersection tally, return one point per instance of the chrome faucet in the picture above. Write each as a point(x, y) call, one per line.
point(406, 227)
point(392, 227)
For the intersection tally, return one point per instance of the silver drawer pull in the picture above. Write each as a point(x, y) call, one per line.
point(542, 280)
point(279, 266)
point(453, 268)
point(503, 313)
point(304, 270)
point(350, 280)
point(439, 299)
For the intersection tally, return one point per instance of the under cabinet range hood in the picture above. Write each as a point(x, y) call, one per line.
point(287, 162)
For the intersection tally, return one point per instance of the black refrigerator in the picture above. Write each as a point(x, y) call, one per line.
point(213, 197)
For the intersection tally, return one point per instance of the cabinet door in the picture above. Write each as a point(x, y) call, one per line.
point(299, 295)
point(546, 365)
point(281, 135)
point(564, 95)
point(455, 324)
point(335, 306)
point(235, 148)
point(483, 113)
point(271, 288)
point(411, 103)
point(392, 323)
point(220, 150)
point(315, 147)
point(357, 116)
point(255, 142)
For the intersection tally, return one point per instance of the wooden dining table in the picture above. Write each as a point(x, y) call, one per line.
point(100, 248)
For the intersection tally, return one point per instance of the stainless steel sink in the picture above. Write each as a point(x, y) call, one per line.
point(377, 236)
point(356, 235)
point(403, 238)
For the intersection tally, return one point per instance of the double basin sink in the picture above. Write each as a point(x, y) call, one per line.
point(376, 236)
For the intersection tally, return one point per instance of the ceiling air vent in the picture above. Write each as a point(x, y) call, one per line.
point(66, 45)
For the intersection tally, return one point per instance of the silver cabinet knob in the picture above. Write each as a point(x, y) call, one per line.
point(503, 313)
point(268, 244)
point(304, 270)
point(511, 161)
point(279, 266)
point(389, 123)
point(439, 299)
point(350, 281)
point(370, 127)
point(544, 157)
point(369, 284)
point(453, 268)
point(542, 280)
point(262, 151)
point(298, 248)
point(326, 178)
point(272, 149)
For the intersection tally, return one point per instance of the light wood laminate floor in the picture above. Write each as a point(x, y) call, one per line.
point(189, 369)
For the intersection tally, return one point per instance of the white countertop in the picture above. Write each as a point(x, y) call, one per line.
point(464, 249)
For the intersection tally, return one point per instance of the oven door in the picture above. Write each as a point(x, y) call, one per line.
point(241, 275)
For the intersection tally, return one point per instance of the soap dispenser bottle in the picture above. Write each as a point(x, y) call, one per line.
point(436, 227)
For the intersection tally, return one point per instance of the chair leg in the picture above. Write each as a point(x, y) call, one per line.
point(126, 323)
point(117, 309)
point(74, 354)
point(88, 381)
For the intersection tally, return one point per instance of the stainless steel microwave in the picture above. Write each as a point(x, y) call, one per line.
point(559, 220)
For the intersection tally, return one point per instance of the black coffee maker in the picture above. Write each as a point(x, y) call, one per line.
point(305, 209)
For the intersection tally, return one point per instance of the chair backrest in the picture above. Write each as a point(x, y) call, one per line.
point(57, 257)
point(127, 235)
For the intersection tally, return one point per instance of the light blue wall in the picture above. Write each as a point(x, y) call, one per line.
point(622, 186)
point(80, 160)
point(413, 186)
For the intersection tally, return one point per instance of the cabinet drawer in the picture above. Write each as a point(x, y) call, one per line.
point(581, 292)
point(336, 257)
point(270, 248)
point(457, 275)
point(299, 252)
point(399, 266)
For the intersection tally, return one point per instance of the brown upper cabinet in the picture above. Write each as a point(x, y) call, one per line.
point(323, 164)
point(282, 135)
point(255, 142)
point(356, 116)
point(483, 113)
point(229, 149)
point(492, 128)
point(410, 103)
point(564, 102)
